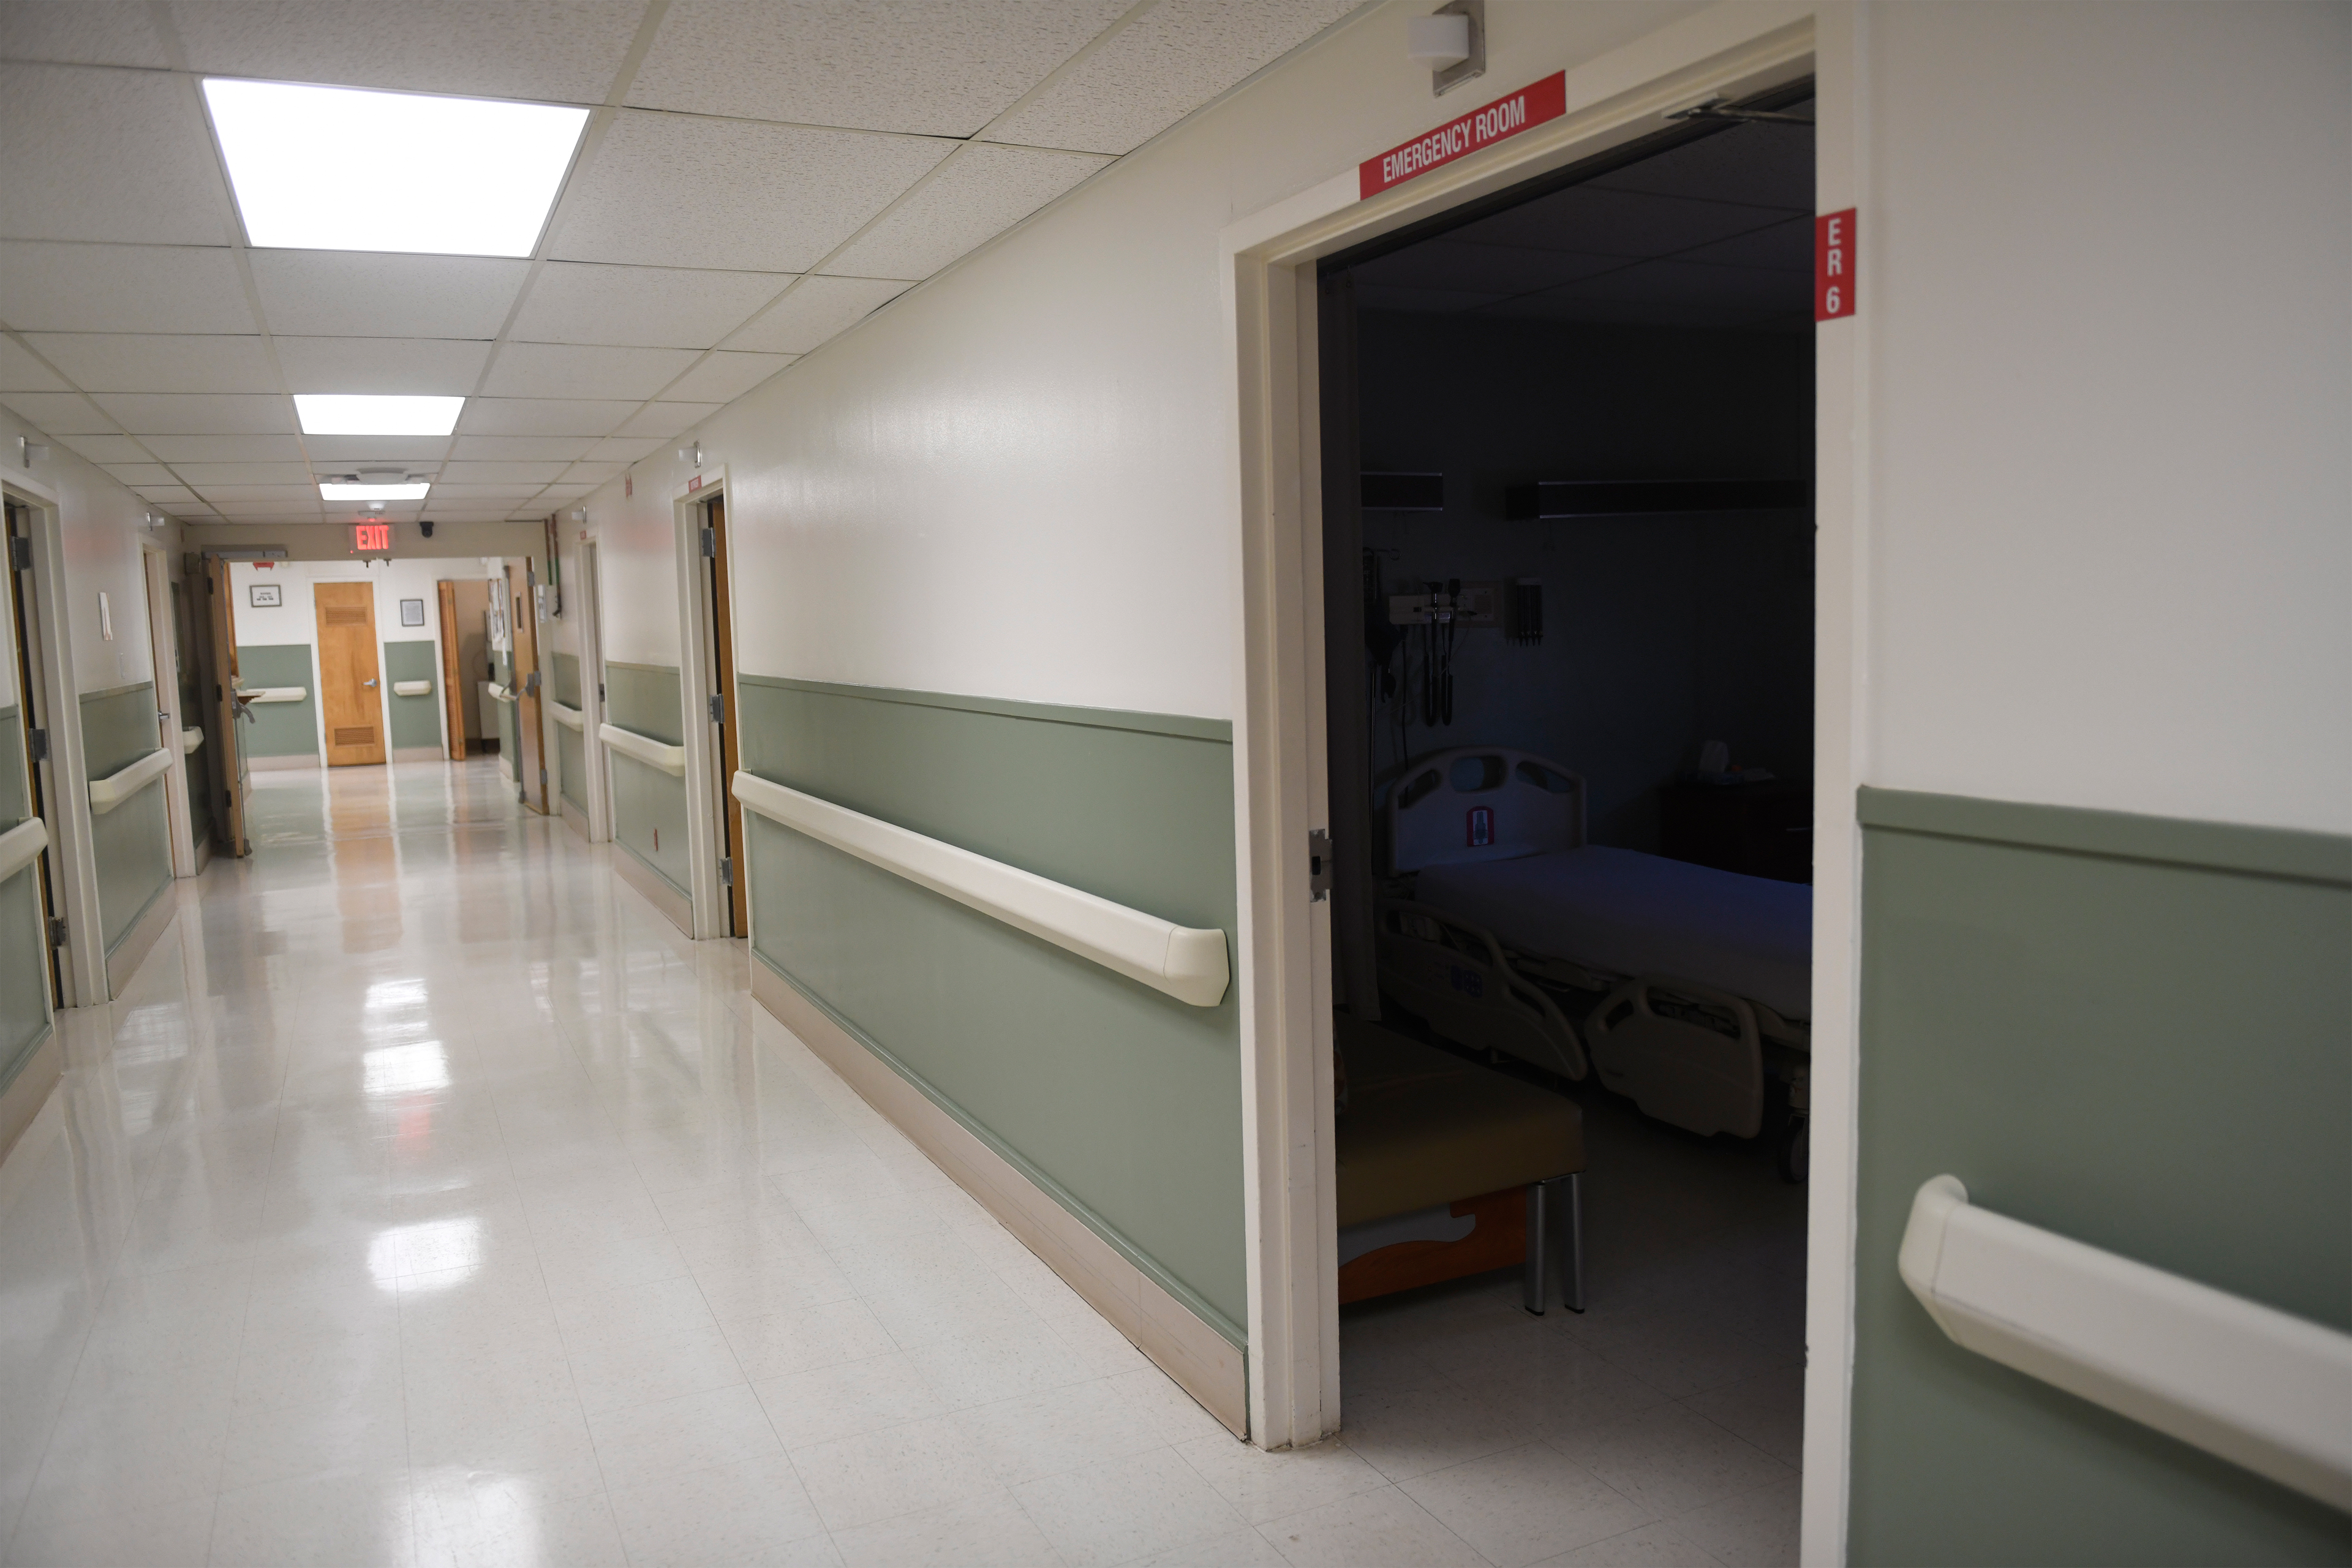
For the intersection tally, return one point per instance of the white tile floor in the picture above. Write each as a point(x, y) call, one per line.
point(428, 1200)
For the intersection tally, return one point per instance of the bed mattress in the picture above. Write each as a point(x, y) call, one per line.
point(1627, 913)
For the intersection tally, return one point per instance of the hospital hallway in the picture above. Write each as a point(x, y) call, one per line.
point(428, 1198)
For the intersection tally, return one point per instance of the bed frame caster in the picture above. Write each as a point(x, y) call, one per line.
point(1555, 1206)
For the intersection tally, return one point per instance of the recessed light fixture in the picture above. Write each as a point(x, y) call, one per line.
point(329, 490)
point(351, 414)
point(335, 168)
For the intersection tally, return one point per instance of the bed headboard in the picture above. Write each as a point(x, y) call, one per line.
point(1481, 803)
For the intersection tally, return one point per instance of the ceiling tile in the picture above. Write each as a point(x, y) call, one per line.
point(1422, 301)
point(416, 451)
point(121, 288)
point(521, 449)
point(226, 449)
point(1764, 166)
point(1505, 269)
point(58, 413)
point(441, 366)
point(624, 449)
point(290, 495)
point(663, 420)
point(566, 492)
point(815, 310)
point(334, 293)
point(213, 414)
point(207, 475)
point(941, 67)
point(85, 33)
point(140, 473)
point(1785, 247)
point(1600, 221)
point(541, 415)
point(561, 370)
point(108, 156)
point(108, 448)
point(158, 361)
point(1152, 73)
point(458, 492)
point(166, 495)
point(652, 306)
point(567, 49)
point(503, 473)
point(724, 377)
point(1563, 305)
point(667, 190)
point(20, 372)
point(1686, 283)
point(980, 193)
point(592, 474)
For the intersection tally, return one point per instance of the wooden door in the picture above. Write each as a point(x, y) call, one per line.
point(722, 640)
point(350, 699)
point(522, 640)
point(455, 687)
point(228, 739)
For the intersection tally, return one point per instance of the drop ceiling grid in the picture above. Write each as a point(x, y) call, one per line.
point(746, 143)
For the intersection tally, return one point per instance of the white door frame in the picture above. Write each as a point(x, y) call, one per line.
point(697, 682)
point(592, 692)
point(64, 783)
point(1280, 794)
point(163, 637)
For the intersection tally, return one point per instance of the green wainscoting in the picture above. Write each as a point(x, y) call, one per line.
point(280, 728)
point(24, 956)
point(131, 843)
point(571, 748)
point(415, 721)
point(2132, 1031)
point(564, 670)
point(648, 805)
point(1123, 1103)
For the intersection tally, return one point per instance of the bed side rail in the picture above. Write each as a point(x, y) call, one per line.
point(1457, 976)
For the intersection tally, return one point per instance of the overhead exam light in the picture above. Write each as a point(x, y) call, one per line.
point(348, 413)
point(335, 168)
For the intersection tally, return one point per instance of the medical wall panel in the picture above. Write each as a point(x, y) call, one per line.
point(1122, 1103)
point(415, 721)
point(132, 842)
point(280, 728)
point(2129, 1030)
point(649, 806)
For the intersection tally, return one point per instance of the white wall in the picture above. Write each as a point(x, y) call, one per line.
point(2105, 248)
point(101, 523)
point(2106, 545)
point(294, 619)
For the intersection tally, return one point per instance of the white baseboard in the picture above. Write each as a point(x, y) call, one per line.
point(280, 765)
point(1199, 1358)
point(27, 1114)
point(577, 819)
point(418, 754)
point(657, 892)
point(140, 941)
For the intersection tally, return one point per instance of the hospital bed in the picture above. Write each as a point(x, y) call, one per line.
point(1688, 989)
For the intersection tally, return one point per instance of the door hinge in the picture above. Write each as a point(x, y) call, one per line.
point(542, 780)
point(20, 553)
point(719, 709)
point(600, 692)
point(36, 742)
point(710, 545)
point(727, 870)
point(1318, 865)
point(57, 931)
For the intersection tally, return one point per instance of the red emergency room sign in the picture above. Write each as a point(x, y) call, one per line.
point(1497, 122)
point(1833, 265)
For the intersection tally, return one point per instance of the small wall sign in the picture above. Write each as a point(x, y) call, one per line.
point(265, 596)
point(1481, 128)
point(412, 611)
point(1833, 265)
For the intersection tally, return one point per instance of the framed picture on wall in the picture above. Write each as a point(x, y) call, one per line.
point(264, 595)
point(412, 611)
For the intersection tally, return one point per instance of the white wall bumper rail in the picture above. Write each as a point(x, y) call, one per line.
point(412, 689)
point(2256, 1387)
point(124, 782)
point(569, 717)
point(22, 845)
point(500, 693)
point(670, 760)
point(273, 693)
point(190, 740)
point(1187, 963)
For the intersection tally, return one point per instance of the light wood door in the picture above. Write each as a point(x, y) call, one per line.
point(228, 739)
point(350, 680)
point(455, 688)
point(722, 649)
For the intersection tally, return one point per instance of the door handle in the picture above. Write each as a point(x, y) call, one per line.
point(369, 684)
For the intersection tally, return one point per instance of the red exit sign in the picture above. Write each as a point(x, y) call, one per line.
point(372, 536)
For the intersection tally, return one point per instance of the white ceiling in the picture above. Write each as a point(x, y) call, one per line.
point(758, 176)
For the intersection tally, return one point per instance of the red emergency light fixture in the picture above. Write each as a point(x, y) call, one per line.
point(371, 537)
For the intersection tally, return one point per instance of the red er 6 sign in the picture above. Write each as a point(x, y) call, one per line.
point(1833, 265)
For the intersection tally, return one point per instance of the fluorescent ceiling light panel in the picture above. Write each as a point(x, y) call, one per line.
point(374, 492)
point(334, 168)
point(351, 414)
